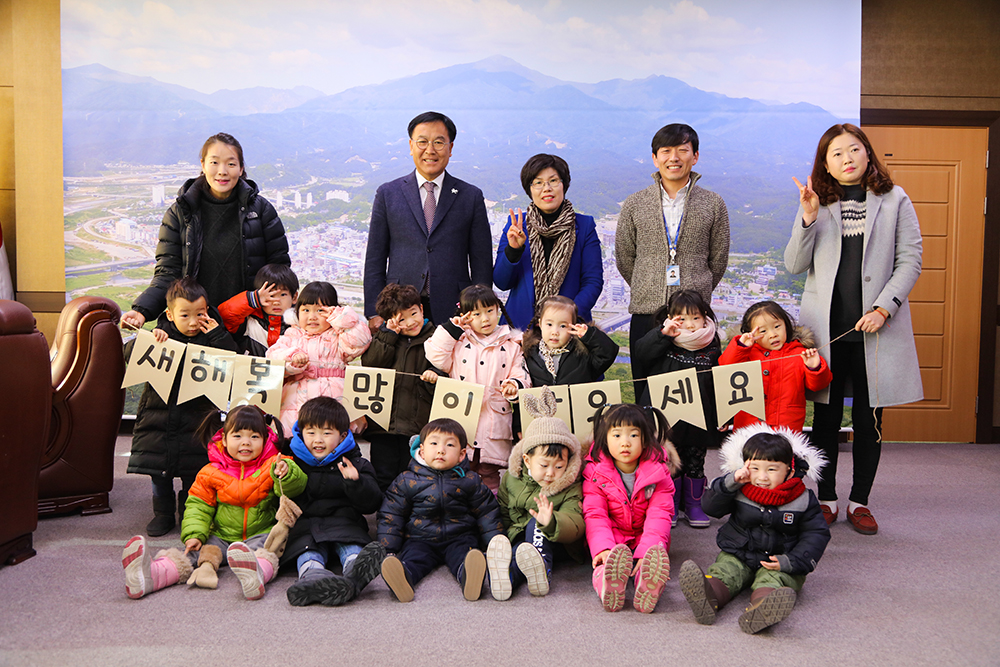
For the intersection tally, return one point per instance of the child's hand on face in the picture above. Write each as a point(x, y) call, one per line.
point(194, 544)
point(359, 425)
point(544, 514)
point(281, 469)
point(463, 321)
point(748, 339)
point(393, 325)
point(670, 328)
point(811, 358)
point(347, 469)
point(160, 335)
point(742, 476)
point(772, 564)
point(266, 293)
point(207, 324)
point(578, 330)
point(429, 376)
point(298, 361)
point(509, 389)
point(600, 558)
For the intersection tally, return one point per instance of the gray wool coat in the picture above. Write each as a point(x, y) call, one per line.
point(641, 249)
point(890, 266)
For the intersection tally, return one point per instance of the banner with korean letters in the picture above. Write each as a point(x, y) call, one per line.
point(154, 362)
point(460, 401)
point(368, 392)
point(677, 395)
point(739, 387)
point(208, 372)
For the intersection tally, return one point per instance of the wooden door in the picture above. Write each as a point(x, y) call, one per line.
point(943, 170)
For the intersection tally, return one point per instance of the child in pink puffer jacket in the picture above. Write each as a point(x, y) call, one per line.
point(474, 347)
point(628, 502)
point(325, 338)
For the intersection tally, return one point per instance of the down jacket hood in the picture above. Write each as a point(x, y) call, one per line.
point(809, 461)
point(569, 476)
point(219, 458)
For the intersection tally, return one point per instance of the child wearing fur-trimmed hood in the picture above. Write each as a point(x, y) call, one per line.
point(540, 503)
point(776, 532)
point(768, 335)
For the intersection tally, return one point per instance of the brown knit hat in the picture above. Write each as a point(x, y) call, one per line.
point(546, 428)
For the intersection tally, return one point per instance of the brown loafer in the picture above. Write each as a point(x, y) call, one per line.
point(829, 516)
point(862, 521)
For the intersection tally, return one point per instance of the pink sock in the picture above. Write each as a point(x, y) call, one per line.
point(266, 569)
point(164, 573)
point(599, 578)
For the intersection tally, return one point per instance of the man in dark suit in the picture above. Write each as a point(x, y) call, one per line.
point(428, 228)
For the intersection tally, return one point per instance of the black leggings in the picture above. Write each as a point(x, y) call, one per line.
point(847, 361)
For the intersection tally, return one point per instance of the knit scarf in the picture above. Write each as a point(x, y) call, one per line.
point(549, 357)
point(549, 273)
point(782, 494)
point(696, 340)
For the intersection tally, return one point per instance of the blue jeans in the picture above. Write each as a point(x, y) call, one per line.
point(321, 553)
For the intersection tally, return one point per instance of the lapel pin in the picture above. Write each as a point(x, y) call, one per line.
point(454, 191)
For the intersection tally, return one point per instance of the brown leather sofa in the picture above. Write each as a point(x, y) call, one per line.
point(25, 411)
point(77, 468)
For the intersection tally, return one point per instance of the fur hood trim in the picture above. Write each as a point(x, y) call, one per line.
point(805, 336)
point(809, 460)
point(515, 464)
point(671, 458)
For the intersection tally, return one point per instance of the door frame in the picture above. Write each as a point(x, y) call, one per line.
point(985, 431)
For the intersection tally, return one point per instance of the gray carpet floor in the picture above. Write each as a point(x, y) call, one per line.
point(924, 591)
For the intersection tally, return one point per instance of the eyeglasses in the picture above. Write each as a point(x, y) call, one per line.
point(438, 144)
point(553, 183)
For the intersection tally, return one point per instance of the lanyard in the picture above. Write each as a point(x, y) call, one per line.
point(672, 242)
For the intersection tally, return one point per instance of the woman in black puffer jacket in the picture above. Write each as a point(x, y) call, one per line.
point(219, 230)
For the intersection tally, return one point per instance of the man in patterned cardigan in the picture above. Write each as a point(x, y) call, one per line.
point(673, 235)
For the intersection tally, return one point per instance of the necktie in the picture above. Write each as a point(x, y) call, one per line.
point(430, 206)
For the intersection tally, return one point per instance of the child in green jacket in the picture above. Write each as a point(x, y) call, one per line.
point(540, 499)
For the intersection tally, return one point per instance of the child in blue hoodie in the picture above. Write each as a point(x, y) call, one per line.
point(340, 490)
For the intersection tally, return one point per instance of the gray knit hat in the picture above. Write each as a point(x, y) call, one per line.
point(546, 428)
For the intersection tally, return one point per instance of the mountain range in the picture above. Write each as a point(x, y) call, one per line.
point(505, 113)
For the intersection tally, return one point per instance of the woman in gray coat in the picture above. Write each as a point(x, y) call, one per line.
point(858, 237)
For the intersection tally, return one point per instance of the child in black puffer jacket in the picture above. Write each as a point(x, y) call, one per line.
point(437, 512)
point(776, 532)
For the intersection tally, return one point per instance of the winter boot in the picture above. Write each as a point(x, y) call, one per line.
point(678, 500)
point(472, 573)
point(694, 489)
point(498, 555)
point(253, 569)
point(182, 497)
point(767, 607)
point(396, 579)
point(206, 574)
point(534, 568)
point(611, 578)
point(317, 584)
point(366, 566)
point(143, 575)
point(705, 594)
point(654, 571)
point(163, 521)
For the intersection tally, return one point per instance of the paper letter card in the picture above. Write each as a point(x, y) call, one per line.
point(586, 399)
point(369, 392)
point(563, 409)
point(155, 363)
point(460, 401)
point(257, 381)
point(208, 371)
point(677, 394)
point(739, 387)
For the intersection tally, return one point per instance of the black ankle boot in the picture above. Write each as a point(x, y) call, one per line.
point(163, 516)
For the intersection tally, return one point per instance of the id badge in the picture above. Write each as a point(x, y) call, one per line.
point(673, 275)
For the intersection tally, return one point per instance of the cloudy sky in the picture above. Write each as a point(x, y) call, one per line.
point(774, 50)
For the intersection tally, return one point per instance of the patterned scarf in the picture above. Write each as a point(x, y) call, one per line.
point(782, 494)
point(549, 356)
point(549, 274)
point(696, 340)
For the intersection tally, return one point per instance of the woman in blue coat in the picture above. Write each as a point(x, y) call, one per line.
point(550, 249)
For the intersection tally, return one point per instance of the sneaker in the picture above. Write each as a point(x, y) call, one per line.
point(764, 613)
point(617, 569)
point(532, 566)
point(652, 576)
point(318, 584)
point(244, 565)
point(862, 521)
point(498, 564)
point(137, 564)
point(830, 516)
point(472, 574)
point(698, 593)
point(367, 565)
point(395, 578)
